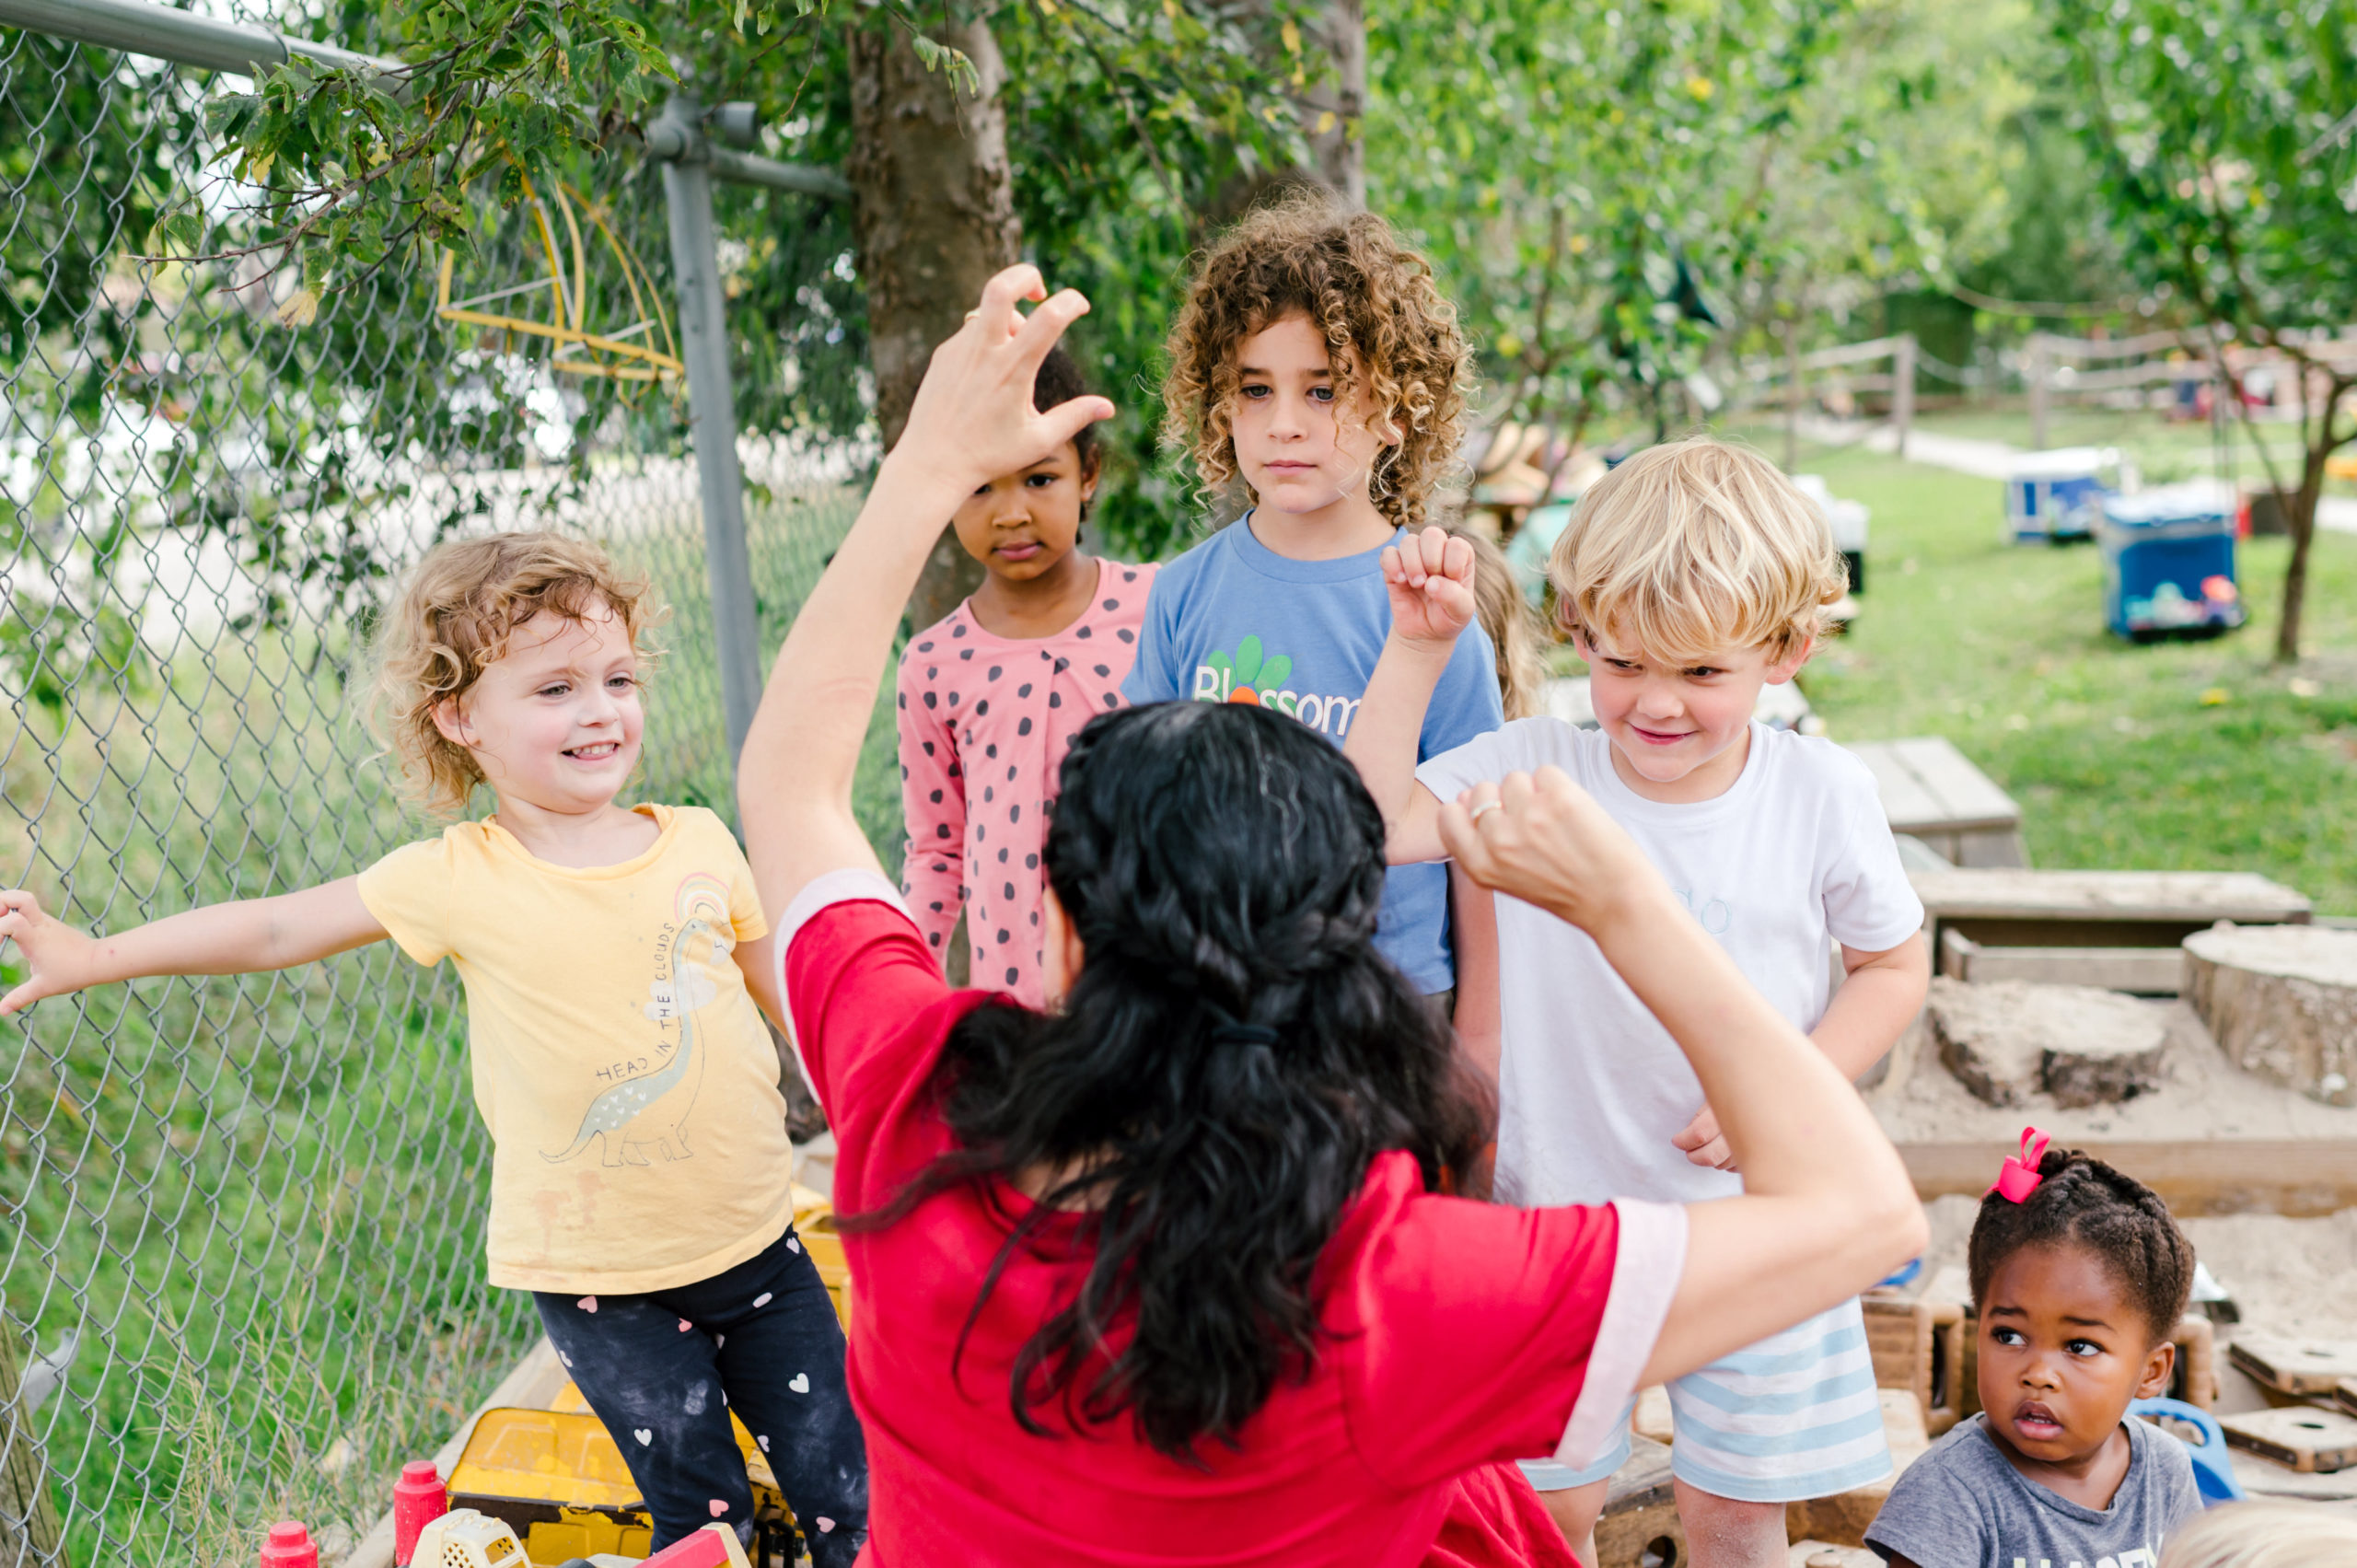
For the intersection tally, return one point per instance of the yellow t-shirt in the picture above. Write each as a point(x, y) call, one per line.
point(624, 1072)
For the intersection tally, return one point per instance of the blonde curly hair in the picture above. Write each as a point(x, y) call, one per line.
point(1694, 547)
point(1383, 318)
point(455, 614)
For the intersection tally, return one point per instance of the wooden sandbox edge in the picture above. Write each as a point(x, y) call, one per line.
point(2301, 1177)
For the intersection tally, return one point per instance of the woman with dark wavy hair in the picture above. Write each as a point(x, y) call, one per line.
point(1163, 1275)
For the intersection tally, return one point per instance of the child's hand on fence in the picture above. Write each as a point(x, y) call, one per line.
point(973, 415)
point(53, 952)
point(1704, 1144)
point(1429, 577)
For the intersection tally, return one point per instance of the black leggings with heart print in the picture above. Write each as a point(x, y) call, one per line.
point(664, 1370)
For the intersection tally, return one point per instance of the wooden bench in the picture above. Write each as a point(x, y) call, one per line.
point(1997, 908)
point(2118, 930)
point(1930, 791)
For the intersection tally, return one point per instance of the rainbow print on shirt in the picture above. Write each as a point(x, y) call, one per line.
point(1257, 676)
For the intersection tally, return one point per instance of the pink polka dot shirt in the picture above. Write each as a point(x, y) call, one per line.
point(984, 722)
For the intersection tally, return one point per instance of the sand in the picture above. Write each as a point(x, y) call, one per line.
point(2202, 1094)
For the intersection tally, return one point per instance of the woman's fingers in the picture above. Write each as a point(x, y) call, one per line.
point(1462, 835)
point(1035, 334)
point(1068, 419)
point(1538, 837)
point(996, 314)
point(973, 417)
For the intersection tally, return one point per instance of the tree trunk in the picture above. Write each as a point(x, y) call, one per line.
point(1338, 145)
point(2300, 522)
point(934, 215)
point(2300, 510)
point(1332, 104)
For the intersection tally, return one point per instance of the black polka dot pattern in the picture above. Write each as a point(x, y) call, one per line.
point(1025, 724)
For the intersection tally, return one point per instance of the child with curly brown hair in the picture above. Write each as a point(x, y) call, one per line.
point(641, 1181)
point(1316, 365)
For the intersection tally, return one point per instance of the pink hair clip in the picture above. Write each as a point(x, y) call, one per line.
point(2019, 1177)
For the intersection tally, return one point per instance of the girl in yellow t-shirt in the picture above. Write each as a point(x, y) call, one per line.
point(612, 958)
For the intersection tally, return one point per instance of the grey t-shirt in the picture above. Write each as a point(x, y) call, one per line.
point(1963, 1506)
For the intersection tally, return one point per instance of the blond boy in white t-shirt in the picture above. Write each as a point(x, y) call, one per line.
point(1690, 576)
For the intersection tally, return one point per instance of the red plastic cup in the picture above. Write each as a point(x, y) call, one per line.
point(289, 1546)
point(418, 1498)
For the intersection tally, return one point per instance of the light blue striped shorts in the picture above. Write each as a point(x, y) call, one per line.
point(1792, 1417)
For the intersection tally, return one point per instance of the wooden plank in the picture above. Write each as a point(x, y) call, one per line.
point(1904, 1339)
point(1947, 1366)
point(2244, 896)
point(1910, 807)
point(2292, 1364)
point(2147, 971)
point(2310, 1177)
point(2195, 1380)
point(2303, 1437)
point(1970, 798)
point(1990, 849)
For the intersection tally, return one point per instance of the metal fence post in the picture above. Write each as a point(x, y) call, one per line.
point(1902, 389)
point(2040, 377)
point(712, 404)
point(1791, 395)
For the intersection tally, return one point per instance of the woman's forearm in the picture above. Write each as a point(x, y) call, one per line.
point(1828, 1205)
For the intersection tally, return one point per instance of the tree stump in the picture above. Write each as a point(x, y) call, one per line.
point(2008, 1039)
point(2281, 1000)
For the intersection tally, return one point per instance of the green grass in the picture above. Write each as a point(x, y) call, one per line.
point(2165, 755)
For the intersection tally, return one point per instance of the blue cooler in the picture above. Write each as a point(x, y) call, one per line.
point(2053, 496)
point(2169, 562)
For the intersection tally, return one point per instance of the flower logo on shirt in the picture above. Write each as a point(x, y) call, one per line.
point(1244, 678)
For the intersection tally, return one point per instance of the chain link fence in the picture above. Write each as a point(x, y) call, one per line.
point(241, 1219)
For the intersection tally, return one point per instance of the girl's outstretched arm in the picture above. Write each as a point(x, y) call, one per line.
point(971, 422)
point(1828, 1208)
point(247, 936)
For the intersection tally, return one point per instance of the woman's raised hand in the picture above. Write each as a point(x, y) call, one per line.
point(973, 418)
point(1429, 577)
point(1544, 840)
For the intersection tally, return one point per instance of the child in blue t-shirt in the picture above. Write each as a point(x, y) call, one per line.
point(1316, 362)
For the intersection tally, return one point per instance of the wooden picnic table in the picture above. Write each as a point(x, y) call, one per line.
point(1930, 791)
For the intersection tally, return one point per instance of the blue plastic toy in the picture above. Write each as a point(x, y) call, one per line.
point(2169, 562)
point(2213, 1471)
point(1912, 1267)
point(2052, 497)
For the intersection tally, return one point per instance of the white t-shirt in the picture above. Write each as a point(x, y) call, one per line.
point(1592, 1086)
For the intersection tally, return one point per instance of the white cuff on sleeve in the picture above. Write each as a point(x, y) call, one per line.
point(851, 883)
point(1646, 1266)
